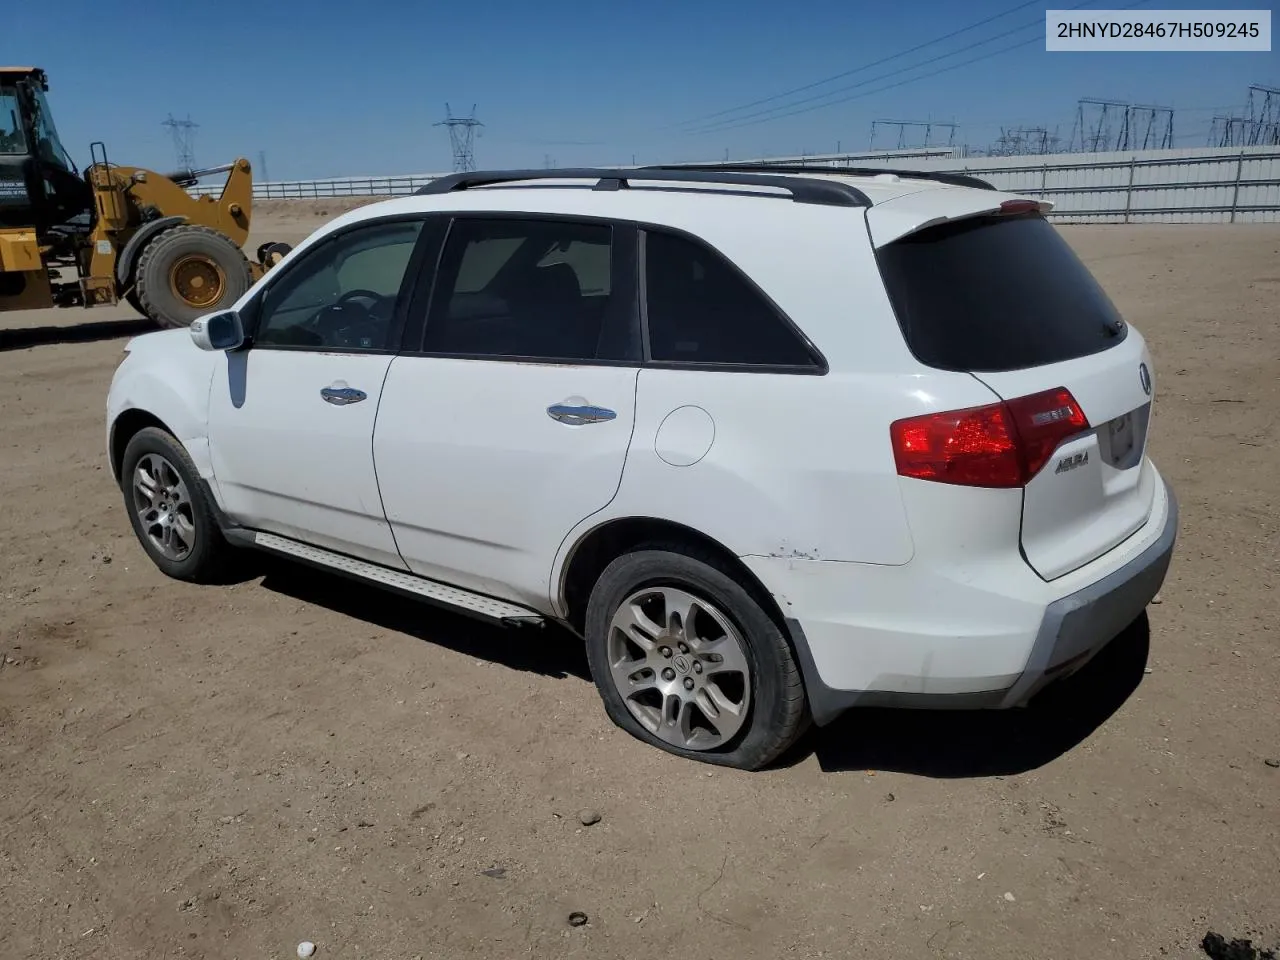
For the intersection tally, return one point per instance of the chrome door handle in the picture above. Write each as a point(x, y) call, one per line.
point(578, 415)
point(341, 396)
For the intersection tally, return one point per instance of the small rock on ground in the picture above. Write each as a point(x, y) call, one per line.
point(588, 817)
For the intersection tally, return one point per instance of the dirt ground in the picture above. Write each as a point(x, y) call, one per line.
point(224, 772)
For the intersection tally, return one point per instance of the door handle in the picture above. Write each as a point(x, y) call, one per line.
point(341, 396)
point(577, 415)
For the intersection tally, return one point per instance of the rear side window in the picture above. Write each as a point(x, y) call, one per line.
point(996, 293)
point(703, 310)
point(539, 289)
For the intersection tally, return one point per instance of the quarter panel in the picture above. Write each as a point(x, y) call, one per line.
point(796, 466)
point(799, 467)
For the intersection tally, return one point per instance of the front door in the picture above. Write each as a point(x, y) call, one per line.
point(291, 417)
point(512, 423)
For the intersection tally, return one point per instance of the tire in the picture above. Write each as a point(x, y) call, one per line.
point(773, 710)
point(189, 271)
point(207, 556)
point(132, 299)
point(269, 254)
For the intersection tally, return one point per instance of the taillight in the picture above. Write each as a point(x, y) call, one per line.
point(1044, 422)
point(998, 445)
point(1016, 207)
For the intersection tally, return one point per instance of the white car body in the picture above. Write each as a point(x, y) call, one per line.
point(894, 589)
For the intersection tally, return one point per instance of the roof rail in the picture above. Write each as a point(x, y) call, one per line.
point(802, 189)
point(954, 179)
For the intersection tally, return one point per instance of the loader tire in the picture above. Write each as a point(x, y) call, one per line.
point(187, 272)
point(131, 298)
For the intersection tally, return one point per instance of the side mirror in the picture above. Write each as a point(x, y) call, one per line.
point(221, 331)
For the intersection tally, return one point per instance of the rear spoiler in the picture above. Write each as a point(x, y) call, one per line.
point(894, 219)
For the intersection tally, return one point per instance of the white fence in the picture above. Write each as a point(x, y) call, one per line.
point(1240, 185)
point(1207, 185)
point(341, 187)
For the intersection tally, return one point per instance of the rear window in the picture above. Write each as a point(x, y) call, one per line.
point(996, 293)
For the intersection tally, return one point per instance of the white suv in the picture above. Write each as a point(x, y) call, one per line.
point(774, 442)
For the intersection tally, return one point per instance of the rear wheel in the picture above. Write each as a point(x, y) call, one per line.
point(686, 659)
point(187, 272)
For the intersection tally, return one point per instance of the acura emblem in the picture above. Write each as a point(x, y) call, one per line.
point(1144, 377)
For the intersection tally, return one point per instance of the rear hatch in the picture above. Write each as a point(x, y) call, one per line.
point(1004, 298)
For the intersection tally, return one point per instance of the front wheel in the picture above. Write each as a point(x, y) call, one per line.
point(686, 659)
point(169, 510)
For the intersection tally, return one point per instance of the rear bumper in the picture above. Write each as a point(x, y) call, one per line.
point(1079, 625)
point(1008, 642)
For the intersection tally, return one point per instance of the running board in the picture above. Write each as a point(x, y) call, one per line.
point(400, 581)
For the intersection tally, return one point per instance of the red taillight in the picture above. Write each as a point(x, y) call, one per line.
point(999, 445)
point(1044, 421)
point(1015, 207)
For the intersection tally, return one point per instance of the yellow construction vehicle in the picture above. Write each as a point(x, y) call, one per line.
point(113, 233)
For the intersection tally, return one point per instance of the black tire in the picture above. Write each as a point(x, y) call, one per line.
point(131, 298)
point(210, 556)
point(157, 295)
point(777, 715)
point(269, 254)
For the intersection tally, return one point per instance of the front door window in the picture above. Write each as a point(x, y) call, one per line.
point(13, 142)
point(342, 295)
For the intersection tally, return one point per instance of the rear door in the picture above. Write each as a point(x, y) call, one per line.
point(1006, 299)
point(507, 421)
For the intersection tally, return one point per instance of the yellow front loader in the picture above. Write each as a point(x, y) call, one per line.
point(113, 233)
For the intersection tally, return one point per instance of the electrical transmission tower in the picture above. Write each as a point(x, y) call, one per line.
point(462, 137)
point(1024, 141)
point(1262, 116)
point(1148, 128)
point(1259, 127)
point(1095, 127)
point(903, 125)
point(184, 134)
point(1229, 132)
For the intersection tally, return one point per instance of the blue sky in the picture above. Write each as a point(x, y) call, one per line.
point(334, 89)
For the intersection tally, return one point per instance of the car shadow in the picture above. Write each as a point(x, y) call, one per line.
point(547, 649)
point(985, 743)
point(22, 338)
point(941, 744)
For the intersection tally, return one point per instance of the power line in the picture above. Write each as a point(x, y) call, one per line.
point(786, 108)
point(789, 112)
point(865, 66)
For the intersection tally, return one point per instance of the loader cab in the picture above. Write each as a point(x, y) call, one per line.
point(39, 184)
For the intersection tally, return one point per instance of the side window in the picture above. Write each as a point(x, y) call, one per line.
point(12, 140)
point(481, 261)
point(524, 288)
point(341, 295)
point(702, 310)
